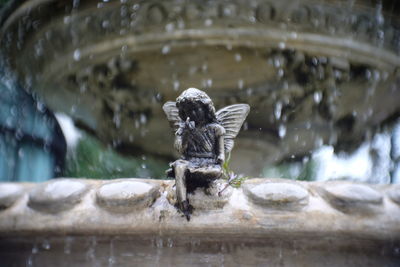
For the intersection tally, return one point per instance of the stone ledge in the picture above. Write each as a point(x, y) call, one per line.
point(304, 207)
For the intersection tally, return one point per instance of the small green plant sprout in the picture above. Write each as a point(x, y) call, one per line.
point(234, 180)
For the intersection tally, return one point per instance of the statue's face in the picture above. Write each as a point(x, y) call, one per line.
point(197, 112)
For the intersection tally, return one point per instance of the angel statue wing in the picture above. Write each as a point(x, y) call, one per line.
point(232, 118)
point(172, 113)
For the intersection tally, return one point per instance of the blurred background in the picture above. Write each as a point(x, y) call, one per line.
point(82, 84)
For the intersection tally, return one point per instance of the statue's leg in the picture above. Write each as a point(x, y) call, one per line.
point(180, 181)
point(180, 168)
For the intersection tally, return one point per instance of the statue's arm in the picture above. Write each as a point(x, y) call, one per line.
point(220, 132)
point(179, 144)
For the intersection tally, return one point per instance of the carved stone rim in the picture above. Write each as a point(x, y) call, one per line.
point(354, 50)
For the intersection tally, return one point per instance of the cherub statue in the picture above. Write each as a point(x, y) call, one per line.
point(203, 137)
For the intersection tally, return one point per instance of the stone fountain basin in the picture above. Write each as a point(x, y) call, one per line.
point(128, 222)
point(313, 72)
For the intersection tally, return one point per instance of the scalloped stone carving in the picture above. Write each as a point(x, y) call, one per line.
point(57, 195)
point(9, 193)
point(121, 196)
point(353, 198)
point(277, 195)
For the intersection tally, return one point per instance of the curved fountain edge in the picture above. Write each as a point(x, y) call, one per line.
point(261, 207)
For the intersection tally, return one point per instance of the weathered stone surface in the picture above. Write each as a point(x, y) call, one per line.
point(394, 194)
point(9, 193)
point(277, 195)
point(212, 198)
point(322, 234)
point(57, 195)
point(356, 198)
point(127, 195)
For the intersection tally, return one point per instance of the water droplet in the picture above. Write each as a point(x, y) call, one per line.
point(282, 131)
point(67, 19)
point(143, 166)
point(204, 67)
point(40, 107)
point(319, 142)
point(208, 22)
point(29, 262)
point(245, 126)
point(209, 82)
point(278, 110)
point(169, 27)
point(165, 49)
point(293, 35)
point(176, 85)
point(20, 153)
point(82, 88)
point(14, 111)
point(73, 109)
point(38, 49)
point(317, 97)
point(159, 242)
point(240, 84)
point(377, 75)
point(123, 11)
point(67, 245)
point(368, 74)
point(35, 249)
point(277, 62)
point(111, 261)
point(105, 24)
point(170, 243)
point(77, 54)
point(143, 118)
point(117, 120)
point(46, 244)
point(238, 57)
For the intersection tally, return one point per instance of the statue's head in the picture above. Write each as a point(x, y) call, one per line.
point(196, 105)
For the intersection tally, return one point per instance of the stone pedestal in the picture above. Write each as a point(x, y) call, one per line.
point(129, 222)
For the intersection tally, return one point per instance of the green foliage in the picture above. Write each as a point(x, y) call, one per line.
point(308, 171)
point(234, 179)
point(292, 170)
point(92, 160)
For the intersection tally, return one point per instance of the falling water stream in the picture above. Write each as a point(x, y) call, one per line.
point(194, 251)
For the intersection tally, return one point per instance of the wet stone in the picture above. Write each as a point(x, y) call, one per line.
point(212, 198)
point(353, 198)
point(9, 193)
point(277, 195)
point(394, 194)
point(122, 196)
point(57, 195)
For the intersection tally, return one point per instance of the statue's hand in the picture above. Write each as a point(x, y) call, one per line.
point(190, 124)
point(221, 159)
